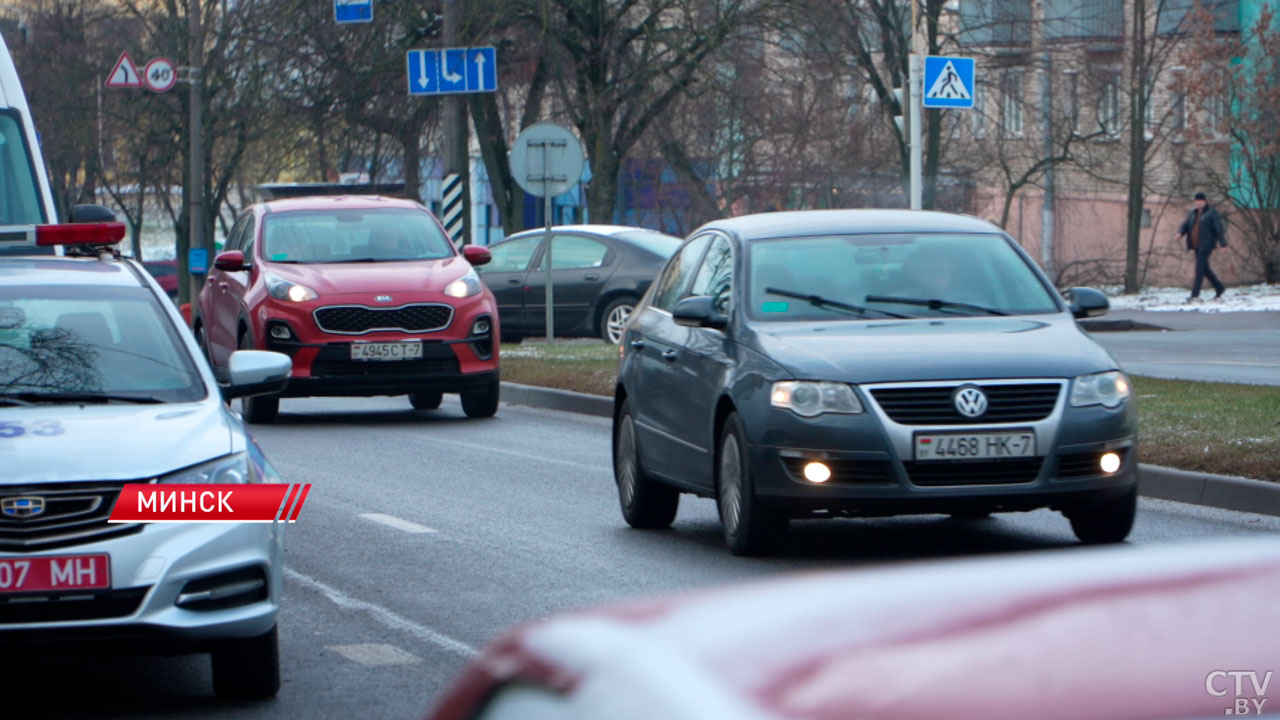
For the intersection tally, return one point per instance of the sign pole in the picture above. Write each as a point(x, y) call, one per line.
point(915, 79)
point(195, 203)
point(546, 242)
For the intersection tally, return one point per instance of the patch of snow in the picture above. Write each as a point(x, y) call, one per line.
point(1246, 298)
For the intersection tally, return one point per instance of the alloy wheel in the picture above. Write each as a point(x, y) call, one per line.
point(626, 461)
point(730, 485)
point(616, 323)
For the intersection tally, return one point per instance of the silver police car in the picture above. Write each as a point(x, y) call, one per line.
point(102, 385)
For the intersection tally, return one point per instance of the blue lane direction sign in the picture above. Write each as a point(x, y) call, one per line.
point(352, 11)
point(948, 82)
point(452, 71)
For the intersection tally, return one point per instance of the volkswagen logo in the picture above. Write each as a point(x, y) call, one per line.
point(22, 507)
point(383, 298)
point(970, 401)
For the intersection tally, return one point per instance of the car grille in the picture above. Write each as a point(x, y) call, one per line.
point(1083, 465)
point(78, 606)
point(358, 319)
point(934, 406)
point(334, 362)
point(74, 513)
point(843, 472)
point(982, 472)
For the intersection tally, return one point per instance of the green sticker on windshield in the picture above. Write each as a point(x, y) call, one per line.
point(279, 256)
point(775, 307)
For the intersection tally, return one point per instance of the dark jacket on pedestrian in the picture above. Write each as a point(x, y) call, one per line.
point(1208, 234)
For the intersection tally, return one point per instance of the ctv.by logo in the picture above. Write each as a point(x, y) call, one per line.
point(1221, 683)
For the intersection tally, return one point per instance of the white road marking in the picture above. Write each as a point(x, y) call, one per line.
point(383, 616)
point(375, 654)
point(397, 523)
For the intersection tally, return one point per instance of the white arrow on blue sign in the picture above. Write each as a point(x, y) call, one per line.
point(452, 70)
point(948, 82)
point(352, 11)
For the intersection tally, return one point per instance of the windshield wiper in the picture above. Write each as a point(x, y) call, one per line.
point(819, 301)
point(78, 397)
point(933, 304)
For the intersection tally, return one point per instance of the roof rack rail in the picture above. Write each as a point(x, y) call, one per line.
point(280, 191)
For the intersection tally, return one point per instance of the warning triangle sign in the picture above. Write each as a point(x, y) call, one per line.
point(125, 73)
point(948, 85)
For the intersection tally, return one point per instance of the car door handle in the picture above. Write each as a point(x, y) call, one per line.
point(515, 281)
point(669, 355)
point(590, 277)
point(222, 285)
point(637, 344)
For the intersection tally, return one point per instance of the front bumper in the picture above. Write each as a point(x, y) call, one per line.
point(874, 472)
point(150, 569)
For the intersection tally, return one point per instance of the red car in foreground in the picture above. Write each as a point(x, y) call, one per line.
point(366, 293)
point(1172, 631)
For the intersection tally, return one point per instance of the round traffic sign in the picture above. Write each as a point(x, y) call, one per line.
point(160, 75)
point(547, 159)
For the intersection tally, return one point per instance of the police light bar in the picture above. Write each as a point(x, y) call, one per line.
point(106, 233)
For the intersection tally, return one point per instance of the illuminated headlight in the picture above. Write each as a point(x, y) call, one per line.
point(1108, 389)
point(810, 399)
point(235, 469)
point(282, 289)
point(465, 286)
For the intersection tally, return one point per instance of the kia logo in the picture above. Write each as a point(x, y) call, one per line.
point(383, 298)
point(970, 401)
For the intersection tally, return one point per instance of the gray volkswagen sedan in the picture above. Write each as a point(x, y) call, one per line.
point(868, 363)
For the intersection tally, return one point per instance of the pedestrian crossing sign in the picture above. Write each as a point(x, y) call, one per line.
point(948, 82)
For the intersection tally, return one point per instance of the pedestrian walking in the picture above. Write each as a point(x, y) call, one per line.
point(1204, 232)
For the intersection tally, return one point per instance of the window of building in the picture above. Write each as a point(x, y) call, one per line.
point(978, 117)
point(1011, 105)
point(1109, 103)
point(1178, 103)
point(1072, 97)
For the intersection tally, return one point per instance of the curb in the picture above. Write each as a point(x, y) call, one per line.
point(1196, 488)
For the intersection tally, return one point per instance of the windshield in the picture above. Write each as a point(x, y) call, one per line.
point(338, 236)
point(92, 341)
point(878, 276)
point(661, 245)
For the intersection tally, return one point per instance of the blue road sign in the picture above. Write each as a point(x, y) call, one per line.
point(198, 261)
point(452, 70)
point(948, 82)
point(352, 11)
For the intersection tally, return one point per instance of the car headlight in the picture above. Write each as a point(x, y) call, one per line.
point(233, 469)
point(1108, 389)
point(282, 289)
point(810, 399)
point(465, 286)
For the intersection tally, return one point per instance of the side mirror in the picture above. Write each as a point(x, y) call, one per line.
point(256, 372)
point(699, 311)
point(91, 214)
point(1086, 302)
point(477, 255)
point(229, 261)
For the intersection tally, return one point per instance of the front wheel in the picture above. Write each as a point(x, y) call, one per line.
point(614, 319)
point(752, 526)
point(426, 399)
point(248, 668)
point(481, 404)
point(259, 408)
point(646, 504)
point(1109, 521)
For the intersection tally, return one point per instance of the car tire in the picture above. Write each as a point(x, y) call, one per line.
point(202, 342)
point(483, 404)
point(646, 504)
point(426, 399)
point(1108, 521)
point(248, 668)
point(613, 321)
point(752, 525)
point(258, 409)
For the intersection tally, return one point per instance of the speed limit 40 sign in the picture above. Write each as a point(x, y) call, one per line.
point(160, 75)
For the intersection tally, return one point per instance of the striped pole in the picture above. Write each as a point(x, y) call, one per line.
point(451, 207)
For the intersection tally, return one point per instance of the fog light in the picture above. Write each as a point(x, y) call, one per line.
point(481, 327)
point(1110, 462)
point(817, 472)
point(280, 332)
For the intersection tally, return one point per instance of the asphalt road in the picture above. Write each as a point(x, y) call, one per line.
point(426, 534)
point(1239, 347)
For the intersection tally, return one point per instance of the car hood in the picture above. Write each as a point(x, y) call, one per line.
point(66, 443)
point(934, 349)
point(373, 277)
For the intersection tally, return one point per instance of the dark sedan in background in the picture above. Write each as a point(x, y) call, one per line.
point(599, 273)
point(868, 362)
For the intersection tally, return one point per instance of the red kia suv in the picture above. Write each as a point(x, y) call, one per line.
point(366, 293)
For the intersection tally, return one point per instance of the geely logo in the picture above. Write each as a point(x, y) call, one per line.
point(22, 507)
point(970, 401)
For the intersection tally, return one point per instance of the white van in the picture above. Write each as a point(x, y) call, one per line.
point(25, 197)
